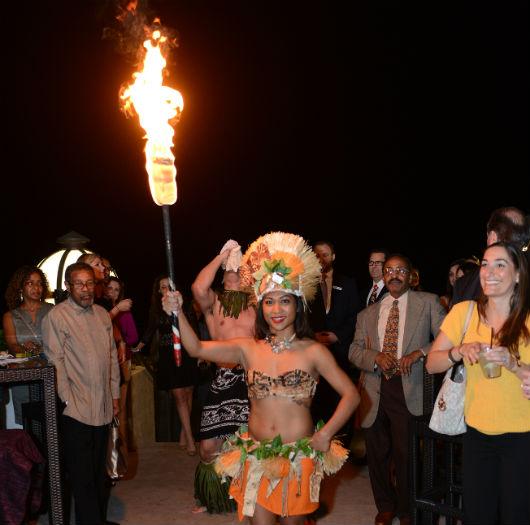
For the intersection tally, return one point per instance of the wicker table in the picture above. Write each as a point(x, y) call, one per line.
point(39, 370)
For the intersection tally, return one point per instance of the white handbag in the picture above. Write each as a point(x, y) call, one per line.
point(448, 412)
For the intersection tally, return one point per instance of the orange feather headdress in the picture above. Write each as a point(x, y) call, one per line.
point(280, 261)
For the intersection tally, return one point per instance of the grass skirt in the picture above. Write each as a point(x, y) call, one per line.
point(211, 490)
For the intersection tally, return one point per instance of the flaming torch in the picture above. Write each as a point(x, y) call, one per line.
point(158, 108)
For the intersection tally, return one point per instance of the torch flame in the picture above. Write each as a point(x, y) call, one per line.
point(157, 107)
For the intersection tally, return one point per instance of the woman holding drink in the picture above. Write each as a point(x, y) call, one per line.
point(496, 446)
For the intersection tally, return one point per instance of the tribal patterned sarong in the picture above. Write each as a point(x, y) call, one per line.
point(227, 406)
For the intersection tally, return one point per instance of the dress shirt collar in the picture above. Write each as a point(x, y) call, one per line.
point(328, 276)
point(402, 300)
point(384, 310)
point(380, 285)
point(387, 301)
point(78, 309)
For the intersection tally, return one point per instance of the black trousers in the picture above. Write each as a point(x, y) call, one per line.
point(387, 441)
point(496, 478)
point(85, 453)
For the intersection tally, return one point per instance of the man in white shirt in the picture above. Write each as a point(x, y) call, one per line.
point(377, 290)
point(391, 339)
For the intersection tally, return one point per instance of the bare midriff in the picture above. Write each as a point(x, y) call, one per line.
point(273, 415)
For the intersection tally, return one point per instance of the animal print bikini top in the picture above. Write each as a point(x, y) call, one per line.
point(294, 384)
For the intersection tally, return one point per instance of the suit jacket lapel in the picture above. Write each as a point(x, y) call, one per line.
point(414, 308)
point(371, 327)
point(335, 281)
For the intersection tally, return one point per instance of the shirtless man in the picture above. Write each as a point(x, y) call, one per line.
point(228, 315)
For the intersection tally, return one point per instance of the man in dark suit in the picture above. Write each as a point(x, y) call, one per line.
point(508, 224)
point(392, 338)
point(373, 293)
point(332, 317)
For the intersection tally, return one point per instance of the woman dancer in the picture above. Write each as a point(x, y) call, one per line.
point(25, 295)
point(496, 447)
point(277, 467)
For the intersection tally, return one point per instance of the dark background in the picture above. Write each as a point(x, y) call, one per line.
point(396, 124)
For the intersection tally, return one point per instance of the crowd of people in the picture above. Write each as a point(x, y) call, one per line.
point(301, 357)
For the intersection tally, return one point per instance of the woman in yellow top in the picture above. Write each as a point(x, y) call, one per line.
point(496, 450)
point(280, 477)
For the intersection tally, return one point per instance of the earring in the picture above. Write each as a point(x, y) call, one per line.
point(21, 297)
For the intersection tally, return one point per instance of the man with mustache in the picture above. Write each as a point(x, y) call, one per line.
point(79, 341)
point(391, 339)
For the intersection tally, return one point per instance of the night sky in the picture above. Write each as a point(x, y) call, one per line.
point(397, 124)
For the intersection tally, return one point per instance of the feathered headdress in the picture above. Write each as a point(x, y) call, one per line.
point(280, 262)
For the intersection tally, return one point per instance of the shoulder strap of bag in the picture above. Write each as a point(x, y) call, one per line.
point(457, 367)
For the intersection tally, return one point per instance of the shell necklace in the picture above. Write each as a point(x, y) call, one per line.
point(279, 346)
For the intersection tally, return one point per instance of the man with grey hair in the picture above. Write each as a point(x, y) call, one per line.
point(79, 342)
point(392, 338)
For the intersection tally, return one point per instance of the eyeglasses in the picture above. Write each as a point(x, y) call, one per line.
point(399, 270)
point(79, 285)
point(376, 263)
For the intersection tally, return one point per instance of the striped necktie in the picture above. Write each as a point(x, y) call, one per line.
point(391, 337)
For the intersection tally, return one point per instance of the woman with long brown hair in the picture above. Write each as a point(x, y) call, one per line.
point(179, 380)
point(496, 450)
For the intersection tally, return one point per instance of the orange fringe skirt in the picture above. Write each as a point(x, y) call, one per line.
point(286, 486)
point(284, 501)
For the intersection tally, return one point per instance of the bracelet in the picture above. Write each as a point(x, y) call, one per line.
point(450, 357)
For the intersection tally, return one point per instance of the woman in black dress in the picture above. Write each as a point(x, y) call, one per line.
point(179, 379)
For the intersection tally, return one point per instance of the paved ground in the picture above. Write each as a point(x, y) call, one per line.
point(161, 493)
point(158, 490)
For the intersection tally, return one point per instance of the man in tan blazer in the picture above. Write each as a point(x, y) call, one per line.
point(392, 337)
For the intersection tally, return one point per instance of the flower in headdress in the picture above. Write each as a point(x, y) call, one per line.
point(280, 262)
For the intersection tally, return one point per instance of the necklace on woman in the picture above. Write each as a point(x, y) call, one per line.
point(279, 346)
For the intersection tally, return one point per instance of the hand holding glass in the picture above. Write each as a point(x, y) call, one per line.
point(489, 369)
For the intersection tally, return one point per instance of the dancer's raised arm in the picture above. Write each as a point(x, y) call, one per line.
point(230, 351)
